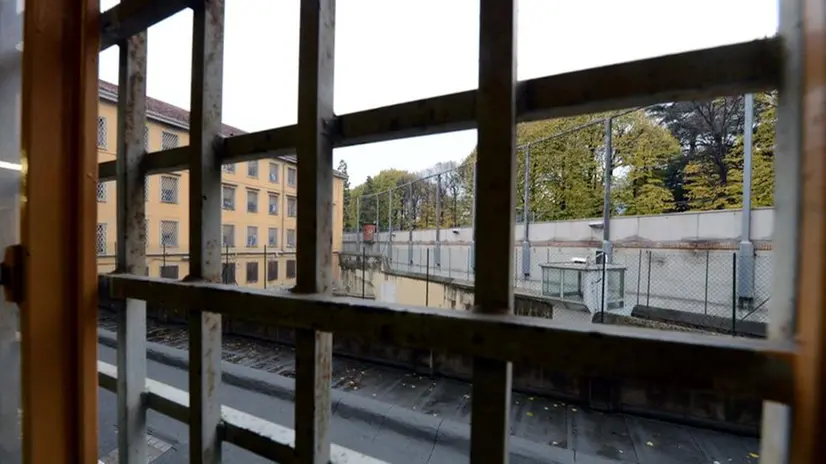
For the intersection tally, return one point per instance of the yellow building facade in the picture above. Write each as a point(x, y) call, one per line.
point(259, 206)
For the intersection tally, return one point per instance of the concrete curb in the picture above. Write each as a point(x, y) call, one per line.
point(401, 420)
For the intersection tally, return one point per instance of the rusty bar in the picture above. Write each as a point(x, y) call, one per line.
point(496, 174)
point(130, 17)
point(205, 227)
point(776, 423)
point(809, 418)
point(758, 367)
point(727, 70)
point(131, 249)
point(315, 228)
point(59, 312)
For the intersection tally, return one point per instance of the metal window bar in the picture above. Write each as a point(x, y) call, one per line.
point(228, 197)
point(101, 239)
point(169, 234)
point(757, 366)
point(101, 192)
point(102, 132)
point(169, 189)
point(168, 140)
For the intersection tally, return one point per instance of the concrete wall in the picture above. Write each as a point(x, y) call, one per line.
point(678, 261)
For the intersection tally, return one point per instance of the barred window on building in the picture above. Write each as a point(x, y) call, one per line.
point(274, 168)
point(228, 197)
point(146, 138)
point(169, 271)
point(274, 199)
point(291, 269)
point(272, 270)
point(252, 201)
point(101, 192)
point(272, 237)
point(252, 169)
point(252, 236)
point(228, 273)
point(169, 233)
point(292, 177)
point(252, 272)
point(169, 140)
point(229, 168)
point(228, 235)
point(292, 206)
point(101, 238)
point(169, 189)
point(290, 238)
point(102, 132)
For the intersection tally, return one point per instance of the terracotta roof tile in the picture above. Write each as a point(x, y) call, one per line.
point(179, 115)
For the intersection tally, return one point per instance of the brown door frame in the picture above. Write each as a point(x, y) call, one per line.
point(58, 314)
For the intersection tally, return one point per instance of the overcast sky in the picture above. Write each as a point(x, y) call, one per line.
point(391, 51)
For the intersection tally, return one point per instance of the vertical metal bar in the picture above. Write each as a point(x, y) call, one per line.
point(526, 215)
point(59, 102)
point(363, 273)
point(705, 298)
point(315, 228)
point(639, 275)
point(438, 250)
point(776, 426)
point(427, 280)
point(266, 276)
point(411, 219)
point(746, 247)
point(733, 293)
point(809, 416)
point(390, 224)
point(472, 259)
point(131, 249)
point(205, 227)
point(607, 248)
point(358, 220)
point(494, 234)
point(648, 288)
point(378, 217)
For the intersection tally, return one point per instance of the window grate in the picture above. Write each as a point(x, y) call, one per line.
point(169, 234)
point(292, 207)
point(146, 138)
point(102, 133)
point(228, 197)
point(229, 168)
point(274, 200)
point(274, 168)
point(169, 189)
point(272, 237)
point(252, 169)
point(272, 270)
point(101, 191)
point(292, 177)
point(228, 235)
point(252, 272)
point(101, 239)
point(169, 140)
point(290, 238)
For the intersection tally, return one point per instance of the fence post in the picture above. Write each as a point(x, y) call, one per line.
point(449, 253)
point(412, 219)
point(163, 256)
point(437, 253)
point(526, 217)
point(734, 294)
point(265, 266)
point(390, 224)
point(363, 273)
point(648, 290)
point(705, 299)
point(639, 275)
point(427, 280)
point(604, 278)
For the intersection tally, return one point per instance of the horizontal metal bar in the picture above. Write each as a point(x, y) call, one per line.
point(726, 70)
point(756, 367)
point(244, 430)
point(131, 17)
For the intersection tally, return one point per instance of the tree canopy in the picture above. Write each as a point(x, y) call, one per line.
point(671, 157)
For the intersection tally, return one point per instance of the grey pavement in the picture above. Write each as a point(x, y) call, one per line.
point(543, 430)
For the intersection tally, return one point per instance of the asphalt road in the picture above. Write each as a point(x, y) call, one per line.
point(560, 432)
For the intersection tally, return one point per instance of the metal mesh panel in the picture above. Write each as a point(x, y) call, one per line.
point(169, 233)
point(146, 190)
point(146, 138)
point(102, 132)
point(101, 191)
point(252, 236)
point(272, 237)
point(169, 189)
point(252, 169)
point(228, 235)
point(274, 201)
point(228, 196)
point(169, 140)
point(101, 239)
point(252, 201)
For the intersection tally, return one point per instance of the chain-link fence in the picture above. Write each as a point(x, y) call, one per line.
point(691, 287)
